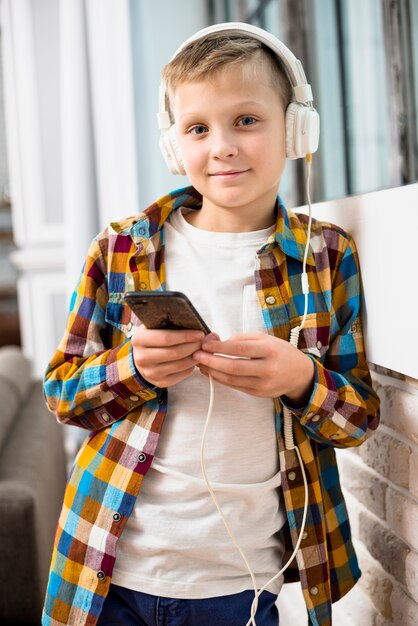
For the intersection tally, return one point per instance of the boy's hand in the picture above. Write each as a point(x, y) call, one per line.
point(164, 357)
point(269, 367)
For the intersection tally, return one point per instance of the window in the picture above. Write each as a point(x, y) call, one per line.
point(361, 58)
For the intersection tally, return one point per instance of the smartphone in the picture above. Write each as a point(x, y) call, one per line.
point(165, 309)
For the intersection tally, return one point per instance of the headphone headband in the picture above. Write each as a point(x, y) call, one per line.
point(303, 91)
point(303, 124)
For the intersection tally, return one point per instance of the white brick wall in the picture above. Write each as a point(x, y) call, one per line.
point(411, 574)
point(380, 481)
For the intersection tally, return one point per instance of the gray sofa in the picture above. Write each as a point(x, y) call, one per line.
point(32, 481)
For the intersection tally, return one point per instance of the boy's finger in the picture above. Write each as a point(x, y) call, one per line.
point(150, 338)
point(227, 365)
point(167, 354)
point(239, 383)
point(175, 367)
point(236, 347)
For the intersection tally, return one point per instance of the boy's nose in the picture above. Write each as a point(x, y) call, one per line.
point(223, 146)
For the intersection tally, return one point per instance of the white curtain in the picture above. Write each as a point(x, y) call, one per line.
point(81, 97)
point(71, 147)
point(98, 123)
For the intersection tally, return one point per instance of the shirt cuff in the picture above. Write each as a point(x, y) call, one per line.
point(122, 377)
point(321, 404)
point(124, 389)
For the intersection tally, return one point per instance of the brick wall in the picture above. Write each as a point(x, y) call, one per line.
point(380, 480)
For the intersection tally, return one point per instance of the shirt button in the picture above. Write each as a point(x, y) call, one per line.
point(133, 398)
point(101, 575)
point(319, 345)
point(310, 414)
point(316, 418)
point(314, 591)
point(105, 417)
point(143, 285)
point(117, 517)
point(270, 300)
point(129, 327)
point(305, 534)
point(142, 457)
point(291, 475)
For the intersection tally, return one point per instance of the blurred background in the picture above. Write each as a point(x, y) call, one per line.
point(79, 148)
point(79, 93)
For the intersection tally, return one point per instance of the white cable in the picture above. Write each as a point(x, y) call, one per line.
point(292, 556)
point(209, 486)
point(294, 333)
point(257, 592)
point(287, 415)
point(287, 428)
point(305, 283)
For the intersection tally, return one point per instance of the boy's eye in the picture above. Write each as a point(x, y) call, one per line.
point(198, 130)
point(248, 120)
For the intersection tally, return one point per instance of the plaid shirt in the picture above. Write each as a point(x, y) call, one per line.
point(92, 382)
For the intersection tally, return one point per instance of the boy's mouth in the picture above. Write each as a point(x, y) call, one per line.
point(228, 173)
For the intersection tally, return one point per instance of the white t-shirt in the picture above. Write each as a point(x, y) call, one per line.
point(175, 543)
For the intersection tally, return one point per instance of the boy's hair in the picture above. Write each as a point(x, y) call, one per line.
point(204, 57)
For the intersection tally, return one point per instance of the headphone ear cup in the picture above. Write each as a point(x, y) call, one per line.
point(171, 151)
point(291, 113)
point(302, 130)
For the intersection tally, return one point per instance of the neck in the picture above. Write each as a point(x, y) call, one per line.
point(231, 220)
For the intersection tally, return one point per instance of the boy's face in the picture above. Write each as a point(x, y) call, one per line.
point(231, 133)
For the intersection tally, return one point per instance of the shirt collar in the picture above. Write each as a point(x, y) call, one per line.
point(152, 219)
point(289, 234)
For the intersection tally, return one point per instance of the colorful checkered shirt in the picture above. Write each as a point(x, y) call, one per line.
point(92, 382)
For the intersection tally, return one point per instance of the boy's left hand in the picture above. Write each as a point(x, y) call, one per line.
point(268, 367)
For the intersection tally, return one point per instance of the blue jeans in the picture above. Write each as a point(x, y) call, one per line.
point(124, 607)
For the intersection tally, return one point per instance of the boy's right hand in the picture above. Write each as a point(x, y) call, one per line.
point(164, 357)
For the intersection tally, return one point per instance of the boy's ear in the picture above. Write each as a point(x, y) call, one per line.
point(171, 150)
point(302, 130)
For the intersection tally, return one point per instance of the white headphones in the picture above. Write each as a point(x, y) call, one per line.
point(302, 121)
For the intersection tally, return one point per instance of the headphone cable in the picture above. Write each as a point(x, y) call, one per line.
point(287, 428)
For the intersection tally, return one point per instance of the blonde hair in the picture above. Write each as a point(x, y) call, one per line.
point(203, 58)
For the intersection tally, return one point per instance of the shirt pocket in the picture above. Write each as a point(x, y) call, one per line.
point(120, 316)
point(314, 338)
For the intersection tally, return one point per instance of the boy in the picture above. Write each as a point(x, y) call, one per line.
point(237, 253)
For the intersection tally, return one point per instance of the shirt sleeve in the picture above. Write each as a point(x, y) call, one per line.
point(89, 383)
point(343, 409)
